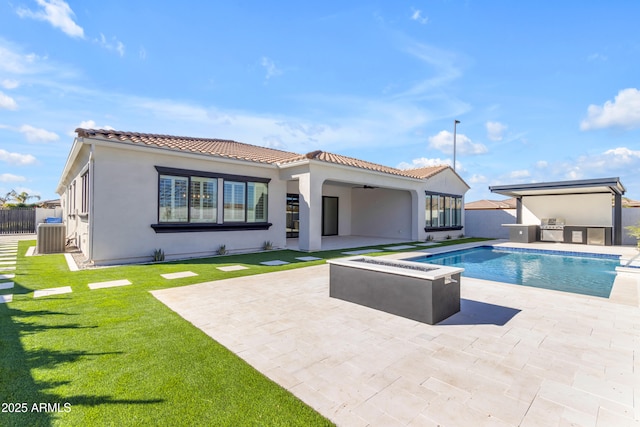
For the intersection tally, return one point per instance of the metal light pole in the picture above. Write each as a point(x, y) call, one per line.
point(455, 123)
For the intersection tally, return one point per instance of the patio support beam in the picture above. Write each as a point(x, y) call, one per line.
point(518, 210)
point(310, 237)
point(617, 219)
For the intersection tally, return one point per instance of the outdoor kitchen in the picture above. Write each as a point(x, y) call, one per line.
point(578, 212)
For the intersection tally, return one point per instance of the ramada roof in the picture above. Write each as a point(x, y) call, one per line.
point(252, 153)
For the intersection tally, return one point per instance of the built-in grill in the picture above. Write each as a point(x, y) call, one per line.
point(552, 229)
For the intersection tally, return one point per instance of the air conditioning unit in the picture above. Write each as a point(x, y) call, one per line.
point(50, 238)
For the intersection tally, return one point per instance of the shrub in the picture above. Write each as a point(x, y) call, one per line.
point(634, 231)
point(267, 245)
point(222, 250)
point(158, 255)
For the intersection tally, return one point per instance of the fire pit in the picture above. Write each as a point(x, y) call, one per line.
point(423, 292)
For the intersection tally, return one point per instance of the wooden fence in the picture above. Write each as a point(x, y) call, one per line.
point(17, 221)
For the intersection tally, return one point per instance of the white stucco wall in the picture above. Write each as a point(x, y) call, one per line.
point(576, 209)
point(382, 212)
point(126, 205)
point(488, 223)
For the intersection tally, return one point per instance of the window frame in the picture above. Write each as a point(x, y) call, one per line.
point(446, 211)
point(220, 223)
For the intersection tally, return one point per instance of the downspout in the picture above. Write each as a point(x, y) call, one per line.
point(91, 198)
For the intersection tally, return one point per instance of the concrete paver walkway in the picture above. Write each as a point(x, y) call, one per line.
point(513, 355)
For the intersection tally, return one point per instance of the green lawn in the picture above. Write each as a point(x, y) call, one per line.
point(118, 356)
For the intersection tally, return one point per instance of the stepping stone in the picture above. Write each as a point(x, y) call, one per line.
point(31, 251)
point(308, 258)
point(274, 262)
point(362, 251)
point(52, 291)
point(179, 275)
point(6, 298)
point(427, 244)
point(3, 262)
point(2, 259)
point(109, 284)
point(8, 253)
point(7, 276)
point(232, 268)
point(6, 285)
point(6, 267)
point(399, 247)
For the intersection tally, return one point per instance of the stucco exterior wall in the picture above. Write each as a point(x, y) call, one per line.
point(126, 205)
point(382, 212)
point(576, 209)
point(488, 223)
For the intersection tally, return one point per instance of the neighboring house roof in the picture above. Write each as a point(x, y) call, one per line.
point(253, 153)
point(491, 204)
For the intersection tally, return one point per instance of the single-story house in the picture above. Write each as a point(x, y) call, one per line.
point(126, 194)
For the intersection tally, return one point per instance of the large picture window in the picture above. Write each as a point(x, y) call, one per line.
point(443, 211)
point(189, 201)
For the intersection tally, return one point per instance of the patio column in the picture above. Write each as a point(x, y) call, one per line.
point(310, 237)
point(617, 220)
point(519, 210)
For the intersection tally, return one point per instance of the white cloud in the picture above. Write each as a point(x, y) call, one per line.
point(10, 84)
point(7, 102)
point(623, 112)
point(443, 141)
point(16, 158)
point(542, 164)
point(34, 134)
point(142, 53)
point(419, 17)
point(112, 44)
point(57, 13)
point(8, 177)
point(87, 124)
point(519, 174)
point(270, 67)
point(477, 179)
point(495, 130)
point(423, 162)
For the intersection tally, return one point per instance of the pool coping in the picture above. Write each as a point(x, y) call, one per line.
point(626, 286)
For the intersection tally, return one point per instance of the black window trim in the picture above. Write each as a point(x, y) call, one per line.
point(190, 227)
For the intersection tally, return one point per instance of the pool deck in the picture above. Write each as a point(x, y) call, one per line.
point(514, 355)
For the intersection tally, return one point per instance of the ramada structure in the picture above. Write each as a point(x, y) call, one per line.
point(125, 194)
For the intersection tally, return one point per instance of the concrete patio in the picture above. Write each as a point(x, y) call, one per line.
point(513, 355)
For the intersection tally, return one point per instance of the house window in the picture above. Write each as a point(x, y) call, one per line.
point(234, 201)
point(443, 211)
point(85, 192)
point(173, 199)
point(204, 194)
point(189, 201)
point(256, 202)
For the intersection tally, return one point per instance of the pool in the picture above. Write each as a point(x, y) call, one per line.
point(588, 274)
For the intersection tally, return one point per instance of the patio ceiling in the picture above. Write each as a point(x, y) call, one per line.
point(585, 186)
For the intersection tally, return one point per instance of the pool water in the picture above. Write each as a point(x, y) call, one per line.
point(578, 273)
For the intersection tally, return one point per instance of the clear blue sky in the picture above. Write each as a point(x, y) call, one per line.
point(544, 91)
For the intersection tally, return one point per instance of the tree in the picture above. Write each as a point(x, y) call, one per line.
point(22, 197)
point(634, 231)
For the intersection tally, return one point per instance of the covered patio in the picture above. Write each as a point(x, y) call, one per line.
point(581, 211)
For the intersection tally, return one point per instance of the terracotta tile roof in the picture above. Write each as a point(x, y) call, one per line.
point(213, 147)
point(428, 171)
point(241, 151)
point(491, 204)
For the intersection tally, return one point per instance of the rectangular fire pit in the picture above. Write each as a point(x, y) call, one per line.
point(423, 292)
